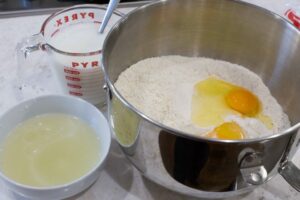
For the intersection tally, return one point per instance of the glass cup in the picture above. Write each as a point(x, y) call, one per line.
point(75, 63)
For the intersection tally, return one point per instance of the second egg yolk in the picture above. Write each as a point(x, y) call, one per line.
point(227, 131)
point(243, 101)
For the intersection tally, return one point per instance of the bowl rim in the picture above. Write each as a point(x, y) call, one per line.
point(176, 132)
point(101, 161)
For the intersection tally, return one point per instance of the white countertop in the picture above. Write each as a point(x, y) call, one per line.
point(119, 180)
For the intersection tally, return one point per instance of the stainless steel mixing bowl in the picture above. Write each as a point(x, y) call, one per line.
point(222, 29)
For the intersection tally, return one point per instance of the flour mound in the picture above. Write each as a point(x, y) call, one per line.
point(162, 88)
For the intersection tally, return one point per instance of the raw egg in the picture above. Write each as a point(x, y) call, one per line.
point(227, 131)
point(209, 107)
point(214, 100)
point(243, 101)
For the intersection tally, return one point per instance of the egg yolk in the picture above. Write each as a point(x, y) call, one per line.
point(243, 101)
point(227, 131)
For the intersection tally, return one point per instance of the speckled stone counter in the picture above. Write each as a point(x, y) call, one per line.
point(119, 180)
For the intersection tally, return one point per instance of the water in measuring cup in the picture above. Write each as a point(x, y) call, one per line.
point(80, 75)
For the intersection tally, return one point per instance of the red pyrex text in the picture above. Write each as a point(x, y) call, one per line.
point(74, 17)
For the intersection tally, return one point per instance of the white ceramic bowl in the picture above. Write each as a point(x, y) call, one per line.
point(58, 104)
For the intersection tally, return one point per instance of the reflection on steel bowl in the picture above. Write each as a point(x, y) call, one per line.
point(227, 30)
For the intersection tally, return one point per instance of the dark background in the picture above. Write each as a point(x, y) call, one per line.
point(16, 5)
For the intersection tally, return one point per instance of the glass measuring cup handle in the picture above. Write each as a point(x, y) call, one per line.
point(28, 45)
point(29, 66)
point(288, 170)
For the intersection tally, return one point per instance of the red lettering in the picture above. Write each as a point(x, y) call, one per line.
point(58, 22)
point(84, 65)
point(92, 15)
point(66, 18)
point(291, 15)
point(83, 15)
point(75, 64)
point(75, 93)
point(95, 64)
point(74, 16)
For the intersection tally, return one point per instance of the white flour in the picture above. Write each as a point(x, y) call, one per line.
point(162, 88)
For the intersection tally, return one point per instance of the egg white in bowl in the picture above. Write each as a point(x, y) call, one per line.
point(203, 97)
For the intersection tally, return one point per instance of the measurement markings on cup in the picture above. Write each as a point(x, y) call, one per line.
point(71, 71)
point(75, 93)
point(70, 78)
point(74, 86)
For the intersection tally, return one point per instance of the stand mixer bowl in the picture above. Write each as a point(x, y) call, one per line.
point(227, 30)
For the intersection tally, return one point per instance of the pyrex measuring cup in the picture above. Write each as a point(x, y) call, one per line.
point(75, 62)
